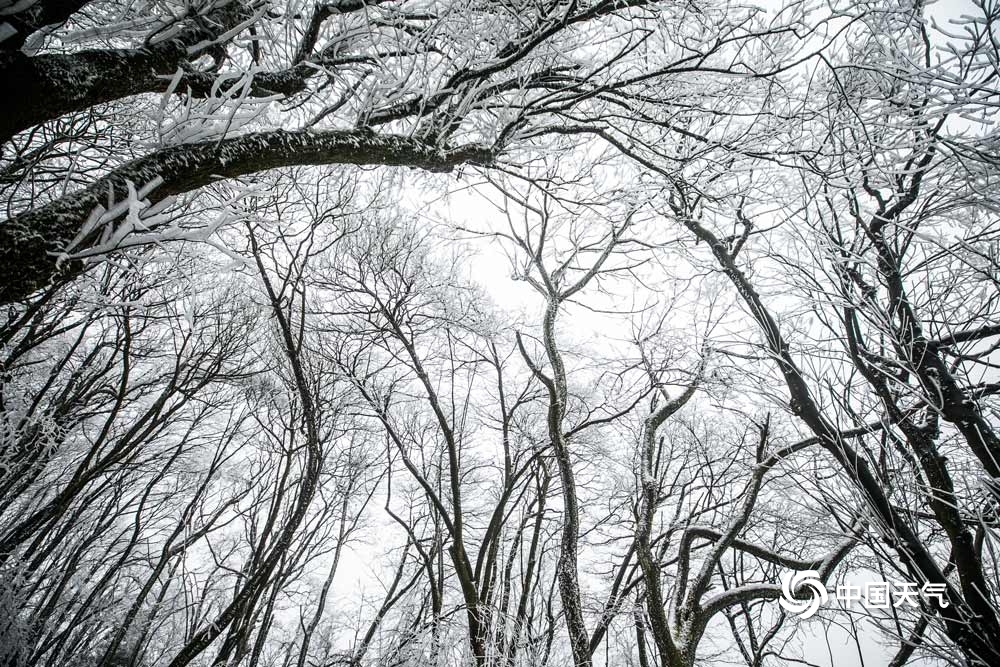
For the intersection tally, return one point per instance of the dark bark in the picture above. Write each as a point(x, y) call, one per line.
point(30, 243)
point(308, 484)
point(975, 634)
point(913, 348)
point(650, 490)
point(941, 390)
point(568, 567)
point(54, 84)
point(39, 15)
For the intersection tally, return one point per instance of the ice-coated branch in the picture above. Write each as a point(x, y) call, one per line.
point(824, 566)
point(31, 242)
point(51, 85)
point(17, 26)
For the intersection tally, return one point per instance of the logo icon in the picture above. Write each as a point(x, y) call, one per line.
point(793, 582)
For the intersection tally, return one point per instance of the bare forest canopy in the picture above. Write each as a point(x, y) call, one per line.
point(498, 332)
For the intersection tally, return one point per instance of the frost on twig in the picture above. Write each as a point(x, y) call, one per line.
point(135, 222)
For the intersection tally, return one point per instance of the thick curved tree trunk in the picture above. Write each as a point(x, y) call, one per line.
point(33, 245)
